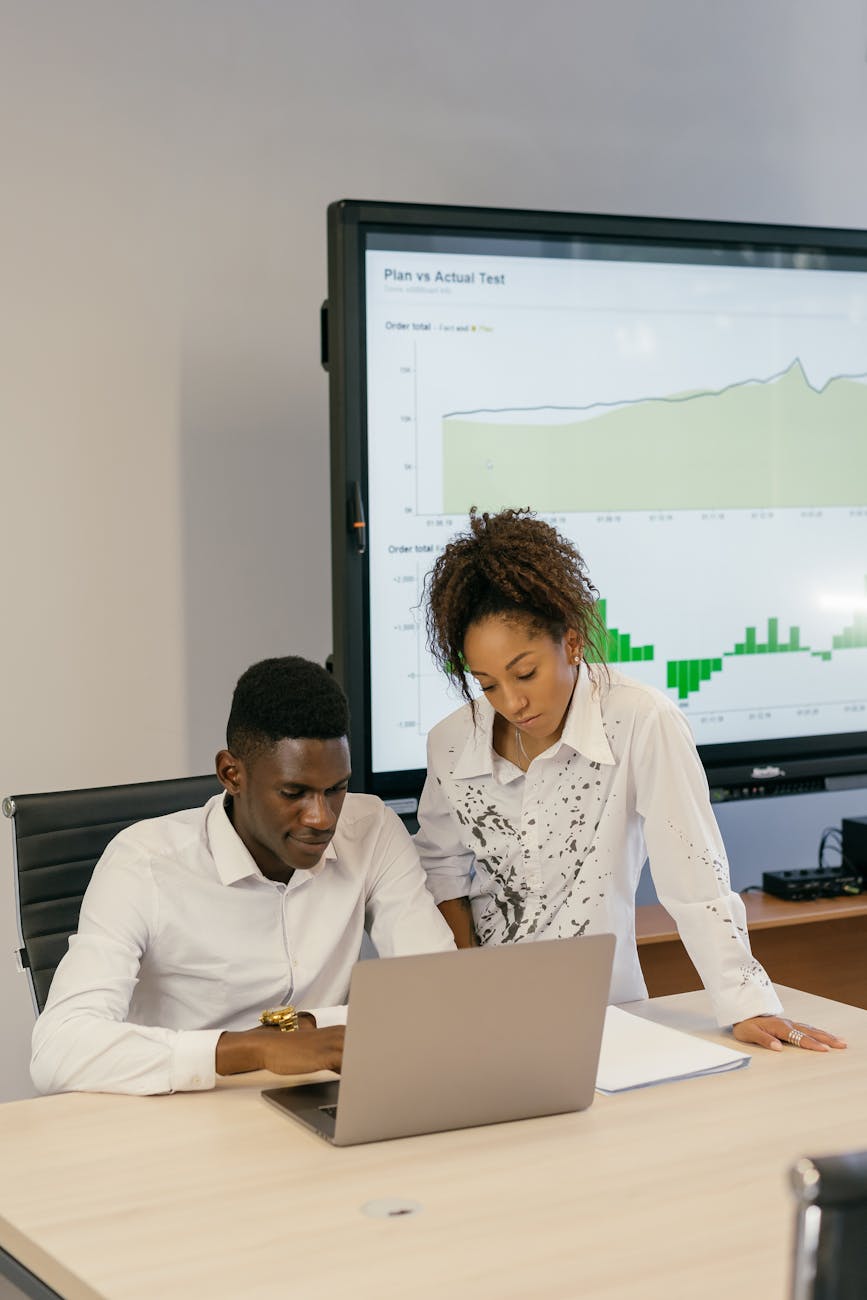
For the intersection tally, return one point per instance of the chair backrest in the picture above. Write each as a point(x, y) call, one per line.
point(58, 839)
point(830, 1257)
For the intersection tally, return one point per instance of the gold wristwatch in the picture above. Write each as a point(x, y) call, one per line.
point(283, 1018)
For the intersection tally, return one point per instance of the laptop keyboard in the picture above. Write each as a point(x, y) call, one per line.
point(329, 1110)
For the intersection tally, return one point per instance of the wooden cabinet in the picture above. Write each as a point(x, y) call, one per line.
point(818, 946)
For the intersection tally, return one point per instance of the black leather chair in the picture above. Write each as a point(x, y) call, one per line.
point(58, 839)
point(830, 1260)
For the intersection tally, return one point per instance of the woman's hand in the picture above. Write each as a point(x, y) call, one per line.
point(775, 1031)
point(458, 913)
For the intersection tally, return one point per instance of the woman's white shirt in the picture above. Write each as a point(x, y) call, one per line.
point(558, 850)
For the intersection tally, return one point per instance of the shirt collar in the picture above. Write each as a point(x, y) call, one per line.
point(582, 730)
point(233, 859)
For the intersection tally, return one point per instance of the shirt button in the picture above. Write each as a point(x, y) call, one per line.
point(196, 1080)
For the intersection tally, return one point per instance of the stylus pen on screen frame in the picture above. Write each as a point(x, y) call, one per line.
point(359, 522)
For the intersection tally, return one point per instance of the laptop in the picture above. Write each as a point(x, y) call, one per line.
point(449, 1040)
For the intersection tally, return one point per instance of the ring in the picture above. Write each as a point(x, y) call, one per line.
point(795, 1037)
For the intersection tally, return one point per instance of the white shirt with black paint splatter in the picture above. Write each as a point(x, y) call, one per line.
point(558, 850)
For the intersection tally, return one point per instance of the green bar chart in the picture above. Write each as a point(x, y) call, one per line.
point(619, 648)
point(687, 675)
point(853, 637)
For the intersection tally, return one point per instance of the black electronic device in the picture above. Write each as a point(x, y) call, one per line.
point(807, 883)
point(854, 846)
point(685, 400)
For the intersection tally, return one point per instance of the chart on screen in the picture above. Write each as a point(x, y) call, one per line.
point(698, 431)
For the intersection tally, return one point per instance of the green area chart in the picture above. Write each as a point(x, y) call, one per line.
point(804, 445)
point(686, 675)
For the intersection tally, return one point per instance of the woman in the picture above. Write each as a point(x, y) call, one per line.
point(544, 796)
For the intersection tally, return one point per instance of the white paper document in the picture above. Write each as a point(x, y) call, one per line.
point(637, 1053)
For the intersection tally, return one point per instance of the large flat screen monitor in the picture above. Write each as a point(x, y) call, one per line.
point(687, 401)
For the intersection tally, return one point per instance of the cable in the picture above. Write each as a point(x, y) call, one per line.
point(832, 838)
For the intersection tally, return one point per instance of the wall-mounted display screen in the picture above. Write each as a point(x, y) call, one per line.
point(686, 402)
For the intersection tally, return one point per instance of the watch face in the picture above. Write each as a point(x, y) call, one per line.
point(285, 1018)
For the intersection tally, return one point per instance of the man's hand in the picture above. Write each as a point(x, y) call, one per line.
point(303, 1052)
point(775, 1031)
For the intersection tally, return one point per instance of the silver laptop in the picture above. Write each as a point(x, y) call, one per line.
point(452, 1039)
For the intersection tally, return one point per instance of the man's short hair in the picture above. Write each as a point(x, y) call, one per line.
point(279, 699)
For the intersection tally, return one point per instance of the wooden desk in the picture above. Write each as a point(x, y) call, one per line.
point(820, 946)
point(667, 1192)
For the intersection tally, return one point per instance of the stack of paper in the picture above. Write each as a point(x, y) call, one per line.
point(637, 1053)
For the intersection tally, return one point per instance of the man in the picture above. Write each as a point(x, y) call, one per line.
point(195, 923)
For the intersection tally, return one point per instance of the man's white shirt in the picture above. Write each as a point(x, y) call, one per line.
point(558, 850)
point(181, 937)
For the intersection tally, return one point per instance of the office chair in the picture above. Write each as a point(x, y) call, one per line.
point(830, 1258)
point(57, 840)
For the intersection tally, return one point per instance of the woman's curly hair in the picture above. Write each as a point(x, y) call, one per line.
point(513, 565)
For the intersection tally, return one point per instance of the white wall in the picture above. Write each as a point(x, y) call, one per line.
point(164, 173)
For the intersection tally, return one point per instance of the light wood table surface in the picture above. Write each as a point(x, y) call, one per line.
point(677, 1191)
point(818, 945)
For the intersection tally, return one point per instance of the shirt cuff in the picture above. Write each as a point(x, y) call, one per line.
point(194, 1060)
point(326, 1016)
point(746, 1002)
point(446, 886)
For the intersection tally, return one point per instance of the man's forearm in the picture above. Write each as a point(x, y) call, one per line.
point(239, 1052)
point(459, 915)
point(302, 1052)
point(89, 1053)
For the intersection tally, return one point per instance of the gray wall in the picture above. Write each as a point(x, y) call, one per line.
point(165, 169)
